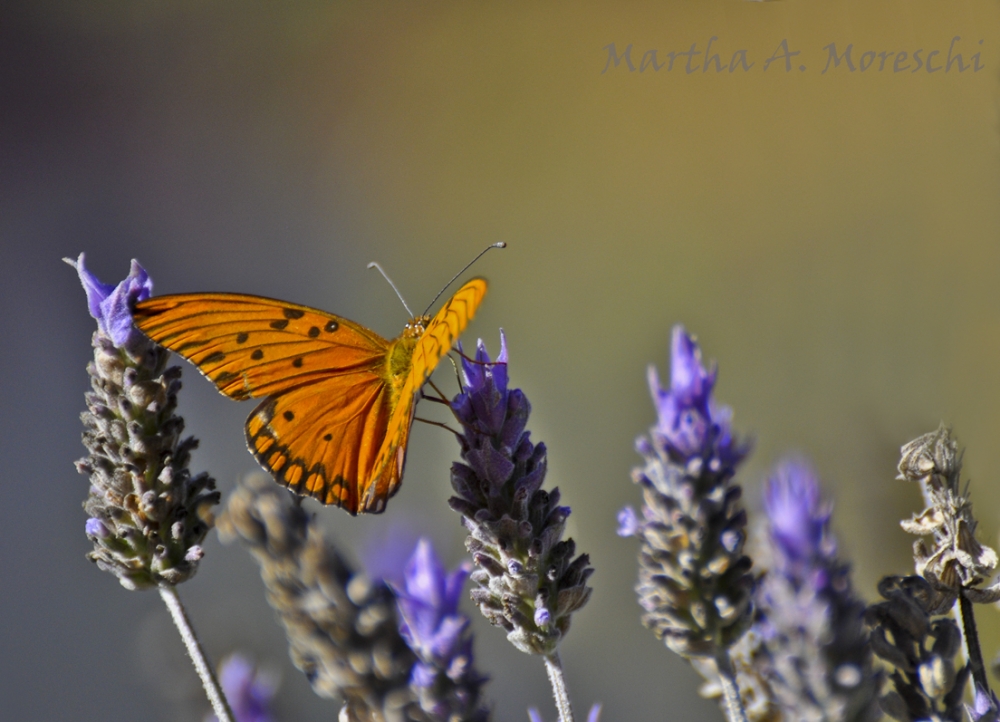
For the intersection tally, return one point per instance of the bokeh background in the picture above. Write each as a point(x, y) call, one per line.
point(832, 238)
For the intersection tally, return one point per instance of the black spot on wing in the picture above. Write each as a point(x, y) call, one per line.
point(313, 331)
point(293, 313)
point(242, 337)
point(279, 325)
point(213, 358)
point(288, 415)
point(331, 326)
point(257, 355)
point(327, 437)
point(297, 363)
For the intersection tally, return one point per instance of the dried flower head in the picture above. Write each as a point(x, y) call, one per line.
point(342, 628)
point(444, 677)
point(812, 623)
point(528, 581)
point(694, 580)
point(953, 559)
point(147, 514)
point(920, 649)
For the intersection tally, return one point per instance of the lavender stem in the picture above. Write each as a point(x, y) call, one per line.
point(730, 690)
point(197, 654)
point(971, 636)
point(554, 667)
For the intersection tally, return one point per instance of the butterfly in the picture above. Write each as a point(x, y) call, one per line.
point(338, 399)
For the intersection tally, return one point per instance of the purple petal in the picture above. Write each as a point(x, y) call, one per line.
point(795, 510)
point(595, 713)
point(95, 290)
point(424, 575)
point(628, 522)
point(112, 305)
point(534, 716)
point(95, 527)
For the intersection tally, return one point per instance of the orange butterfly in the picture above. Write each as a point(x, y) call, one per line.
point(339, 398)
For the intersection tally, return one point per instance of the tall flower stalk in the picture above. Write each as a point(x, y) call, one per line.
point(694, 580)
point(528, 579)
point(147, 515)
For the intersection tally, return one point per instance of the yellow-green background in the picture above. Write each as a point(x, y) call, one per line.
point(832, 239)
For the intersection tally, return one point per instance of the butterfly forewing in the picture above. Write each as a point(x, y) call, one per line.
point(436, 341)
point(252, 346)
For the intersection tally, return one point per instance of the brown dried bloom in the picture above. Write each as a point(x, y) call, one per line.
point(952, 559)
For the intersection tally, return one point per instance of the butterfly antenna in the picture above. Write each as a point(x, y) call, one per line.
point(498, 244)
point(374, 264)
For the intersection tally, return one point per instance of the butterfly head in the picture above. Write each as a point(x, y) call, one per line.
point(416, 326)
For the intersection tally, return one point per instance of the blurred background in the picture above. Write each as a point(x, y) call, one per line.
point(831, 238)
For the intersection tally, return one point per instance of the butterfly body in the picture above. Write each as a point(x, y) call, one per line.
point(338, 399)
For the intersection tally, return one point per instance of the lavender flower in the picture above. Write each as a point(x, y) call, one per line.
point(147, 514)
point(528, 581)
point(342, 628)
point(927, 685)
point(447, 683)
point(694, 580)
point(248, 690)
point(820, 661)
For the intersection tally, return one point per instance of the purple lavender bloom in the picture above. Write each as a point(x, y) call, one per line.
point(112, 305)
point(799, 520)
point(811, 621)
point(248, 691)
point(147, 514)
point(689, 423)
point(436, 631)
point(694, 580)
point(528, 581)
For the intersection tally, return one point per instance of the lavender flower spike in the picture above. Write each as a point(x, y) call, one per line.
point(147, 514)
point(342, 627)
point(443, 676)
point(528, 580)
point(812, 623)
point(694, 580)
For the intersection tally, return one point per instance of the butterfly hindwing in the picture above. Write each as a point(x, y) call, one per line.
point(252, 346)
point(321, 440)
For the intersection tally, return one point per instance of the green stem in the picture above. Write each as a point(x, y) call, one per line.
point(554, 667)
point(730, 690)
point(212, 688)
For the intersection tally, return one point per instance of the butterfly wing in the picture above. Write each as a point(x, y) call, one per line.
point(433, 344)
point(321, 439)
point(251, 346)
point(328, 405)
